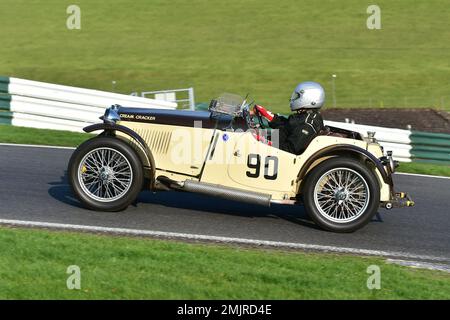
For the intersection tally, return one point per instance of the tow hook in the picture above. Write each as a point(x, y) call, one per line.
point(400, 199)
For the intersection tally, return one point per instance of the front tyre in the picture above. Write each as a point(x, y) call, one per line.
point(341, 194)
point(105, 174)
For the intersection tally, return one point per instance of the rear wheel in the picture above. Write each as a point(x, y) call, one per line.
point(105, 174)
point(341, 194)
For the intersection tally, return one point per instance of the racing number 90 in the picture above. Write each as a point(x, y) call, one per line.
point(254, 163)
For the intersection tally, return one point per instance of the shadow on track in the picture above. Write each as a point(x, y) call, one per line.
point(198, 202)
point(62, 192)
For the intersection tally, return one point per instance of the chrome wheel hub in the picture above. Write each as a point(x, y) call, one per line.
point(341, 195)
point(105, 174)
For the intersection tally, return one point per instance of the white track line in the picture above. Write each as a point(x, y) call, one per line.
point(420, 265)
point(421, 175)
point(188, 236)
point(35, 146)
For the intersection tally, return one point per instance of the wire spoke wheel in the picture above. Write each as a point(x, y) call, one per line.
point(341, 195)
point(105, 174)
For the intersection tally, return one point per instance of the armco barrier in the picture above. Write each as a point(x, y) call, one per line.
point(34, 121)
point(396, 140)
point(407, 145)
point(5, 117)
point(430, 147)
point(74, 95)
point(50, 108)
point(45, 105)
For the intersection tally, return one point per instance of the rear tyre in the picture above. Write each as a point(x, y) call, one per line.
point(106, 174)
point(341, 194)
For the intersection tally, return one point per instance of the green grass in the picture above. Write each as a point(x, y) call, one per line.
point(33, 265)
point(22, 135)
point(425, 168)
point(263, 47)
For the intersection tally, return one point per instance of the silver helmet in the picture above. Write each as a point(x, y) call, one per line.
point(307, 95)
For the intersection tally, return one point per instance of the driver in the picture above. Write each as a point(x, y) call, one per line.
point(297, 131)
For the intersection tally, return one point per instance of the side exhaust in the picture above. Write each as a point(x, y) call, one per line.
point(217, 190)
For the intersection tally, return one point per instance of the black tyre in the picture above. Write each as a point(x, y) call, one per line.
point(341, 194)
point(106, 174)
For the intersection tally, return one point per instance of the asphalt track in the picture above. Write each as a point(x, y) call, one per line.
point(34, 188)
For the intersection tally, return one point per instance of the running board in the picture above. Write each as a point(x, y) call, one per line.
point(217, 190)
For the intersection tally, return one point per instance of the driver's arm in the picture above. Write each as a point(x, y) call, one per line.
point(263, 112)
point(278, 122)
point(267, 119)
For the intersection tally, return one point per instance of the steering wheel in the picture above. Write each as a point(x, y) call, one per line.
point(263, 123)
point(260, 117)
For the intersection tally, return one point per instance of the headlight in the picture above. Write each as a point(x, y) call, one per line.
point(389, 161)
point(371, 136)
point(111, 114)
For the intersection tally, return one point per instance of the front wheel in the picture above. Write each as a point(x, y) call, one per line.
point(341, 194)
point(105, 174)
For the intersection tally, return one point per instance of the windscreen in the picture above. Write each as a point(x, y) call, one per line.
point(227, 103)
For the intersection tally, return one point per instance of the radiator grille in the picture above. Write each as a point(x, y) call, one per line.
point(158, 141)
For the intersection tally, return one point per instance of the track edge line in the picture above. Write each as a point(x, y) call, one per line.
point(209, 238)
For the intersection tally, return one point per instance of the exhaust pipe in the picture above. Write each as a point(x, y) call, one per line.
point(227, 192)
point(217, 190)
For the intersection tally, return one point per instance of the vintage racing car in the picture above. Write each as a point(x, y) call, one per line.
point(341, 178)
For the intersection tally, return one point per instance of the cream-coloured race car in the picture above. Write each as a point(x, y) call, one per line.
point(341, 178)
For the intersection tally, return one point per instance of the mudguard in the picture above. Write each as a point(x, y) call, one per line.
point(111, 128)
point(342, 148)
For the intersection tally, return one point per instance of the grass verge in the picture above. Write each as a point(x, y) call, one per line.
point(425, 168)
point(33, 265)
point(10, 134)
point(22, 135)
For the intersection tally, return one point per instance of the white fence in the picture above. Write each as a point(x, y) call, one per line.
point(397, 140)
point(45, 105)
point(173, 96)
